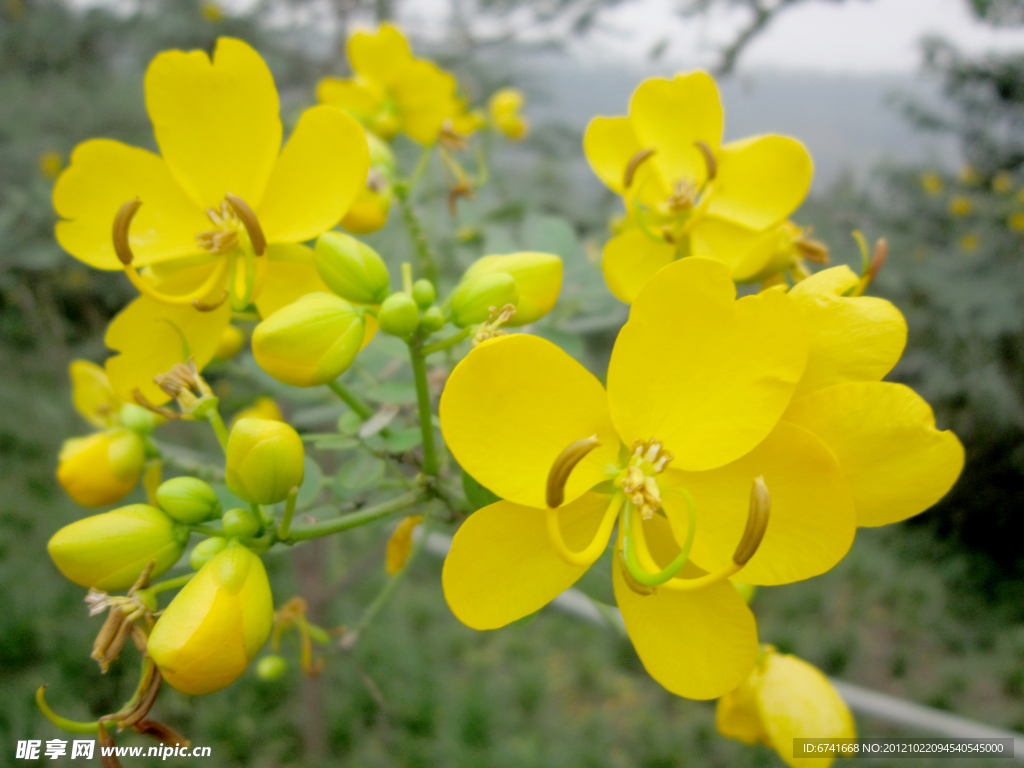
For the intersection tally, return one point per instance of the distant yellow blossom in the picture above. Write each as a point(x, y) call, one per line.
point(960, 205)
point(504, 106)
point(970, 242)
point(931, 182)
point(1016, 221)
point(51, 164)
point(968, 176)
point(1002, 182)
point(211, 11)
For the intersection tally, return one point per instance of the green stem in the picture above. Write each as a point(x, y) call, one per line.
point(419, 370)
point(361, 409)
point(424, 254)
point(451, 341)
point(163, 586)
point(388, 591)
point(206, 530)
point(213, 416)
point(71, 726)
point(289, 510)
point(420, 169)
point(637, 571)
point(356, 519)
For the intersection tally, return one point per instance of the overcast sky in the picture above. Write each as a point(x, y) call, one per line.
point(857, 36)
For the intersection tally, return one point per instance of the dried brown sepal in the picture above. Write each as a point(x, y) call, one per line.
point(106, 742)
point(122, 222)
point(878, 258)
point(161, 732)
point(142, 400)
point(248, 218)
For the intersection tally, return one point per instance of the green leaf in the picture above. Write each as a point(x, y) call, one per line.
point(396, 392)
point(364, 471)
point(336, 443)
point(312, 483)
point(403, 440)
point(476, 494)
point(349, 423)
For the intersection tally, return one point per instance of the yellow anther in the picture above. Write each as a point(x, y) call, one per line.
point(684, 195)
point(633, 164)
point(122, 223)
point(709, 159)
point(563, 466)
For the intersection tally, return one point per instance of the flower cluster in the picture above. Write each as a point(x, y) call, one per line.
point(736, 441)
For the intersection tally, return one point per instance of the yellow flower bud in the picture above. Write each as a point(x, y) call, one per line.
point(399, 315)
point(310, 341)
point(472, 300)
point(504, 106)
point(263, 408)
point(203, 552)
point(264, 460)
point(188, 499)
point(537, 275)
point(369, 212)
point(110, 550)
point(92, 394)
point(101, 468)
point(215, 625)
point(351, 269)
point(231, 342)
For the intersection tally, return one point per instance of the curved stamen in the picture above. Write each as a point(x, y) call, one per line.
point(563, 466)
point(248, 218)
point(709, 159)
point(757, 521)
point(122, 223)
point(204, 306)
point(633, 533)
point(634, 163)
point(593, 550)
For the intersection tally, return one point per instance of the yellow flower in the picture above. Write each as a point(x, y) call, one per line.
point(685, 192)
point(783, 248)
point(263, 408)
point(110, 551)
point(392, 91)
point(1002, 183)
point(215, 219)
point(231, 342)
point(215, 625)
point(968, 175)
point(960, 205)
point(1016, 221)
point(538, 277)
point(264, 460)
point(785, 698)
point(50, 164)
point(211, 12)
point(101, 468)
point(931, 182)
point(504, 106)
point(970, 242)
point(705, 396)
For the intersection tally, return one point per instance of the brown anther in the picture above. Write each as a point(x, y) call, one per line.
point(122, 222)
point(159, 410)
point(204, 306)
point(812, 250)
point(563, 466)
point(757, 522)
point(666, 232)
point(709, 159)
point(634, 163)
point(462, 189)
point(248, 218)
point(375, 181)
point(878, 258)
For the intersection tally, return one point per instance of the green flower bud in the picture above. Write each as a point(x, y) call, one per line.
point(264, 461)
point(240, 522)
point(272, 667)
point(188, 499)
point(138, 419)
point(432, 320)
point(472, 300)
point(351, 269)
point(538, 276)
point(204, 551)
point(399, 315)
point(311, 341)
point(424, 293)
point(110, 551)
point(215, 625)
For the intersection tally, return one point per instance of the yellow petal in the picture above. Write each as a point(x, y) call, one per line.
point(796, 701)
point(852, 338)
point(291, 273)
point(381, 55)
point(501, 566)
point(400, 544)
point(812, 521)
point(726, 242)
point(92, 395)
point(761, 180)
point(706, 375)
point(512, 405)
point(426, 98)
point(670, 115)
point(737, 715)
point(883, 434)
point(321, 170)
point(151, 337)
point(697, 644)
point(103, 176)
point(216, 123)
point(631, 259)
point(359, 98)
point(610, 144)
